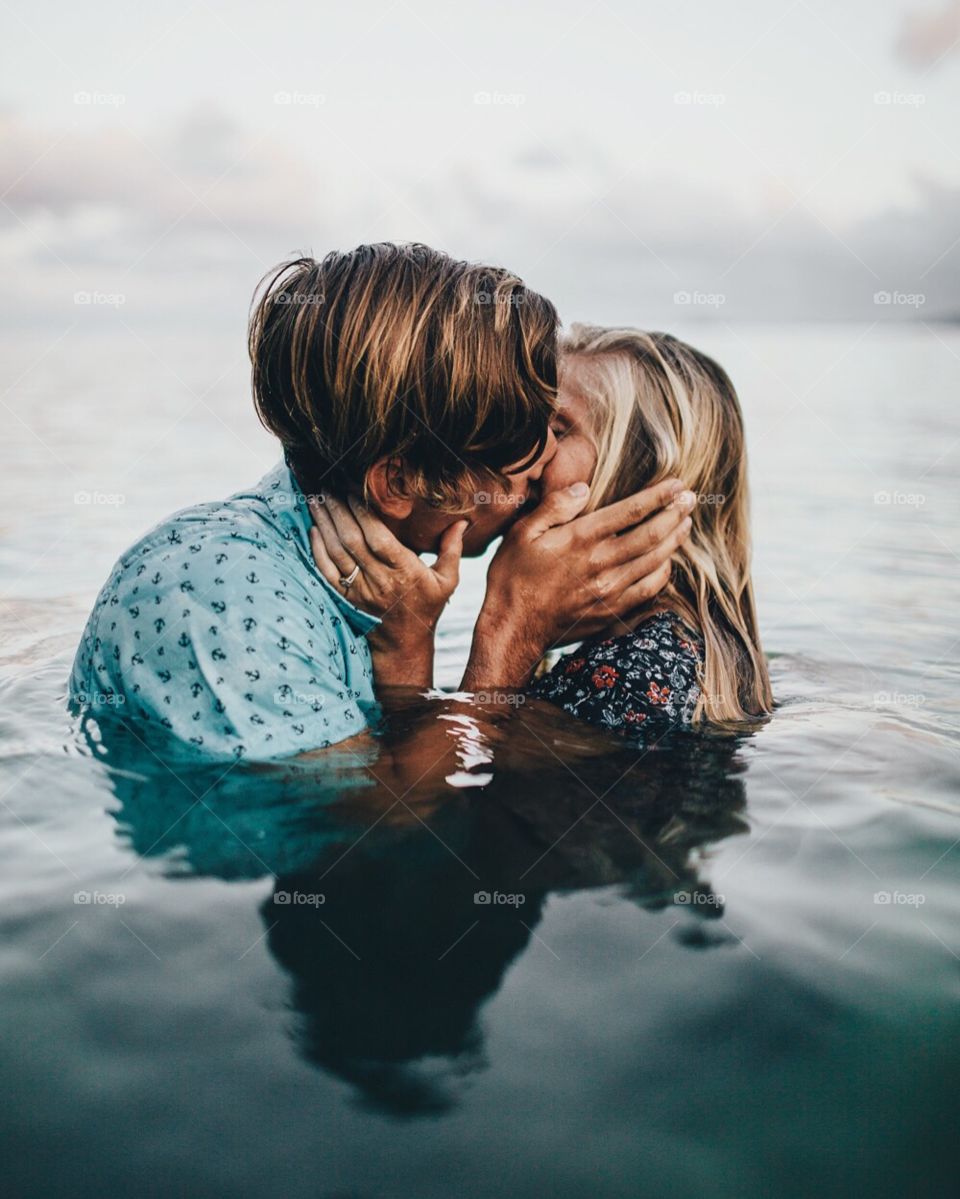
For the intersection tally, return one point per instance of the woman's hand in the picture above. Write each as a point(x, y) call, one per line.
point(392, 583)
point(559, 576)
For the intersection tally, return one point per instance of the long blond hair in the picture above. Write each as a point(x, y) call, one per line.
point(660, 408)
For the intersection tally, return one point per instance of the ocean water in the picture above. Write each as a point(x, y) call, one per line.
point(728, 966)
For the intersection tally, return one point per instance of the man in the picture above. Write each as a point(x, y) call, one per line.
point(426, 386)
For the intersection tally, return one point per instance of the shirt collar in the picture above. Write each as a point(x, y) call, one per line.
point(288, 509)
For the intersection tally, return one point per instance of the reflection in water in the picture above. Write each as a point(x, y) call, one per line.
point(390, 972)
point(397, 914)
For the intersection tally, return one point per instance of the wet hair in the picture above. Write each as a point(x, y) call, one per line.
point(401, 352)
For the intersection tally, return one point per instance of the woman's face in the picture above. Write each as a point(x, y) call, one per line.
point(576, 456)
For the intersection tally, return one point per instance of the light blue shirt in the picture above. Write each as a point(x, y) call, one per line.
point(216, 629)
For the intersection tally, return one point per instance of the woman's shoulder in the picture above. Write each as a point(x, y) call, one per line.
point(647, 675)
point(664, 631)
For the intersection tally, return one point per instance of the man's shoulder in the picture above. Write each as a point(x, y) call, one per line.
point(252, 517)
point(198, 557)
point(217, 628)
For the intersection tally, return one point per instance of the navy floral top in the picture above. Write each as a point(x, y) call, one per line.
point(644, 682)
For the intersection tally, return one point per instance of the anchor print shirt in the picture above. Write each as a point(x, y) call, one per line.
point(216, 629)
point(643, 683)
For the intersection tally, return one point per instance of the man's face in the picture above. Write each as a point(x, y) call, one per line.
point(492, 511)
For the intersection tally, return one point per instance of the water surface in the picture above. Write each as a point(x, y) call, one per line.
point(726, 966)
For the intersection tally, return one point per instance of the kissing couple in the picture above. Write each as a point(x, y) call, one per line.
point(426, 405)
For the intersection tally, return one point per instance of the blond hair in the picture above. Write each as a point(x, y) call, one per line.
point(660, 408)
point(400, 351)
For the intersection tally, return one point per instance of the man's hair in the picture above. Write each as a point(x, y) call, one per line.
point(402, 352)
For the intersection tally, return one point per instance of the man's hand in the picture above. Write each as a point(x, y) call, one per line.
point(393, 584)
point(559, 576)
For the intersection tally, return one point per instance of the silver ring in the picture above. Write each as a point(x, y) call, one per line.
point(347, 581)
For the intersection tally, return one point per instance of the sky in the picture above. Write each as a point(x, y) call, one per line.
point(637, 162)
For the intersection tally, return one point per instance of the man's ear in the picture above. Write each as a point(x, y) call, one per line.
point(387, 488)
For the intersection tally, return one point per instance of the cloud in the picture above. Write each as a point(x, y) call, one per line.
point(203, 162)
point(167, 218)
point(183, 222)
point(655, 247)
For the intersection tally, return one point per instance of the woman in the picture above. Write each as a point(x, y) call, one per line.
point(634, 408)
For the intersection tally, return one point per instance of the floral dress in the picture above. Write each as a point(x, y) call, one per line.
point(644, 682)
